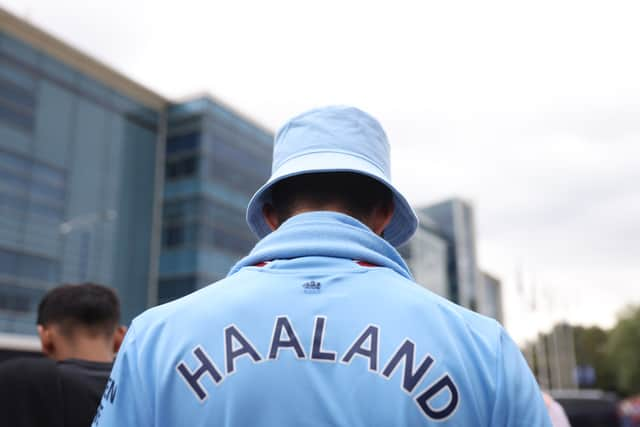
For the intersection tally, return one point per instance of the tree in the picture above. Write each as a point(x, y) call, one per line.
point(623, 351)
point(614, 354)
point(591, 350)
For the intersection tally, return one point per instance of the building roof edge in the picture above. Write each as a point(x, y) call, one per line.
point(227, 106)
point(41, 40)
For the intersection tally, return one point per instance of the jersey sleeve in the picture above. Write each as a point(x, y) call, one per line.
point(125, 401)
point(519, 400)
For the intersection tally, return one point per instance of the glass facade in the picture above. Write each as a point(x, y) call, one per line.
point(490, 297)
point(426, 255)
point(215, 161)
point(454, 219)
point(77, 184)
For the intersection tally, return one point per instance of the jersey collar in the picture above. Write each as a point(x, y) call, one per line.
point(329, 234)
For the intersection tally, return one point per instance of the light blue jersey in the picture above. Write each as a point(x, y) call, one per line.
point(321, 325)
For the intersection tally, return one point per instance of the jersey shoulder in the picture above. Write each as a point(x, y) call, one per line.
point(442, 311)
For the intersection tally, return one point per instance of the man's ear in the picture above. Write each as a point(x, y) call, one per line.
point(381, 217)
point(118, 337)
point(47, 342)
point(270, 216)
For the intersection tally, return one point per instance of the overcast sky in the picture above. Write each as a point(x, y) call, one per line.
point(531, 111)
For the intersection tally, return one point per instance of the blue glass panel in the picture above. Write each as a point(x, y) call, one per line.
point(17, 96)
point(8, 262)
point(188, 142)
point(30, 266)
point(51, 194)
point(18, 299)
point(236, 177)
point(38, 268)
point(123, 104)
point(20, 183)
point(180, 210)
point(184, 188)
point(93, 88)
point(179, 235)
point(170, 289)
point(172, 236)
point(15, 203)
point(221, 191)
point(181, 168)
point(178, 261)
point(14, 162)
point(47, 210)
point(16, 118)
point(58, 70)
point(227, 240)
point(221, 213)
point(51, 176)
point(19, 50)
point(179, 123)
point(15, 76)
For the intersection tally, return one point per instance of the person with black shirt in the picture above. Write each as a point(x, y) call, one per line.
point(80, 332)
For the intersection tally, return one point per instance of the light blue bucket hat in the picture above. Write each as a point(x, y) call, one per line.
point(333, 139)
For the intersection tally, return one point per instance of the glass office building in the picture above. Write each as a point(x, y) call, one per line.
point(102, 180)
point(426, 255)
point(490, 297)
point(79, 146)
point(455, 222)
point(215, 160)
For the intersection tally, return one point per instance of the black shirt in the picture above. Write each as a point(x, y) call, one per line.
point(38, 392)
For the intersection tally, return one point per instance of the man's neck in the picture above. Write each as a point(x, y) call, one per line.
point(90, 349)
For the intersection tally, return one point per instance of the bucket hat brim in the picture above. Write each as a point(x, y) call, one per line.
point(403, 222)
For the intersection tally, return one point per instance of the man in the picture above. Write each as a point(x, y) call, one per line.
point(321, 324)
point(80, 333)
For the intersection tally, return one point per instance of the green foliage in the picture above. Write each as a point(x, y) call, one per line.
point(591, 350)
point(614, 354)
point(623, 351)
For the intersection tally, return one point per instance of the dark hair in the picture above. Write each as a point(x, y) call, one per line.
point(93, 307)
point(357, 194)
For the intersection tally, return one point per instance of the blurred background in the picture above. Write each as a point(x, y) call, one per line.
point(133, 133)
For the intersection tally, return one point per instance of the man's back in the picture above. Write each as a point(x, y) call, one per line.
point(317, 337)
point(42, 392)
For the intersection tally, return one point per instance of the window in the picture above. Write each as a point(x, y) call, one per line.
point(188, 142)
point(16, 181)
point(47, 192)
point(180, 168)
point(12, 204)
point(16, 105)
point(171, 171)
point(189, 166)
point(35, 267)
point(18, 96)
point(17, 299)
point(219, 213)
point(47, 210)
point(181, 210)
point(230, 241)
point(45, 173)
point(25, 179)
point(173, 236)
point(19, 264)
point(8, 262)
point(170, 289)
